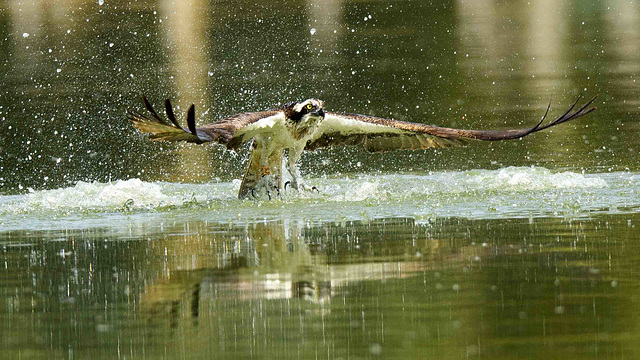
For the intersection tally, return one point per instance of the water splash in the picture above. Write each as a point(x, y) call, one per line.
point(503, 193)
point(96, 196)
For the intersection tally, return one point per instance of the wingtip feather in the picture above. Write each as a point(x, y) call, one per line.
point(170, 114)
point(159, 129)
point(191, 119)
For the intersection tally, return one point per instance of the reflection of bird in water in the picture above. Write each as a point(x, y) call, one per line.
point(188, 292)
point(313, 291)
point(300, 126)
point(273, 261)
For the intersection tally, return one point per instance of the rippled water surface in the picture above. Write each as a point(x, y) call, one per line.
point(112, 246)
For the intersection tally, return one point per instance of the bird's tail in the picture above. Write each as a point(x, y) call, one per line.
point(161, 129)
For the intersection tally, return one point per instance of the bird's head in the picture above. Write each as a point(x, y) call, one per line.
point(302, 112)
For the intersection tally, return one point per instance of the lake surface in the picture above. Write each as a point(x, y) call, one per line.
point(115, 247)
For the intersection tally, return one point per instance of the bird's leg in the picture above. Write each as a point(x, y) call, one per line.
point(296, 178)
point(269, 173)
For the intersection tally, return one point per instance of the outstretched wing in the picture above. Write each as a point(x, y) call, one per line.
point(231, 131)
point(378, 134)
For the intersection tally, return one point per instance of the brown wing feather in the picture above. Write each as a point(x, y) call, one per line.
point(222, 131)
point(225, 129)
point(379, 134)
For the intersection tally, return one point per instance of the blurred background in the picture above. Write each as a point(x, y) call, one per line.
point(70, 69)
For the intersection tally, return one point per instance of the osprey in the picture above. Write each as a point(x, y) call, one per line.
point(300, 126)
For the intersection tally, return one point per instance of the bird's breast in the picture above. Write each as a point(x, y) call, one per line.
point(301, 130)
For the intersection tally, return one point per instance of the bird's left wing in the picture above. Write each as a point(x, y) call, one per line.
point(379, 134)
point(232, 131)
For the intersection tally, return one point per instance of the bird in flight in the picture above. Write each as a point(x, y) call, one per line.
point(299, 126)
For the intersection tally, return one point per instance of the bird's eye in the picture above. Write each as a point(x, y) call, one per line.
point(309, 106)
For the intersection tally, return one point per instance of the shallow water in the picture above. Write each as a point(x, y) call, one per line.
point(112, 246)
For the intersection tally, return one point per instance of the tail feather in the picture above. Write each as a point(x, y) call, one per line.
point(161, 129)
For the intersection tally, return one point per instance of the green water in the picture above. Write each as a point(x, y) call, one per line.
point(115, 247)
point(389, 287)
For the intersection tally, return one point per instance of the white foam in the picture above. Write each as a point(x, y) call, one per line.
point(529, 178)
point(364, 191)
point(476, 182)
point(99, 196)
point(507, 192)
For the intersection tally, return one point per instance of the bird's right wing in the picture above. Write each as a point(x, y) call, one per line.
point(232, 131)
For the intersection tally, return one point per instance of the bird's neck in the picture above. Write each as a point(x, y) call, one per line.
point(304, 127)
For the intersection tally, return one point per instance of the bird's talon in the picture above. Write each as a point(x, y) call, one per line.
point(285, 185)
point(316, 189)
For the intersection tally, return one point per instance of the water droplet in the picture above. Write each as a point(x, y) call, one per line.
point(522, 315)
point(375, 349)
point(25, 35)
point(312, 31)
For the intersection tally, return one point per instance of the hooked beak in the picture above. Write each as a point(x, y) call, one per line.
point(319, 113)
